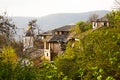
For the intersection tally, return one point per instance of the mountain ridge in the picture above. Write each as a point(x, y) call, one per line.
point(53, 21)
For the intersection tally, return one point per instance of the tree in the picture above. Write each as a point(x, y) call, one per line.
point(31, 27)
point(6, 26)
point(67, 63)
point(117, 4)
point(8, 55)
point(96, 56)
point(93, 17)
point(114, 18)
point(82, 26)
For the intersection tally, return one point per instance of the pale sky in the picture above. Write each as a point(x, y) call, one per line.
point(38, 8)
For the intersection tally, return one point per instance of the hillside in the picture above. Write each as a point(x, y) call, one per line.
point(56, 20)
point(92, 54)
point(95, 54)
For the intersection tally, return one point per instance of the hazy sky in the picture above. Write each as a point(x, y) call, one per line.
point(38, 8)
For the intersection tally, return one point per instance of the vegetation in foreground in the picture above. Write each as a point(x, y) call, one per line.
point(95, 56)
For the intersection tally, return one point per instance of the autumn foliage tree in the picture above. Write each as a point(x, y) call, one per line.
point(8, 55)
point(96, 56)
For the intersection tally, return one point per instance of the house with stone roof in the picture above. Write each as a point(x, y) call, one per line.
point(100, 23)
point(55, 41)
point(51, 42)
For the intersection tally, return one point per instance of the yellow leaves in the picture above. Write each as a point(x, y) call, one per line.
point(8, 54)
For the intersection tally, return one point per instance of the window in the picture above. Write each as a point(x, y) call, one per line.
point(56, 33)
point(105, 23)
point(46, 54)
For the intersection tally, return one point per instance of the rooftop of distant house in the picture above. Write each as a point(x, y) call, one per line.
point(57, 38)
point(64, 28)
point(103, 19)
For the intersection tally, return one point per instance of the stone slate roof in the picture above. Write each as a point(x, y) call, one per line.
point(103, 19)
point(46, 33)
point(56, 38)
point(64, 28)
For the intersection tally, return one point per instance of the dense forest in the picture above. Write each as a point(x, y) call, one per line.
point(94, 56)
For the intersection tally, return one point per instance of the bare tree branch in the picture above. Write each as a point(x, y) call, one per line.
point(117, 5)
point(93, 17)
point(6, 26)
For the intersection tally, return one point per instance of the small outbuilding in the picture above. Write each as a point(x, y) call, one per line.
point(100, 23)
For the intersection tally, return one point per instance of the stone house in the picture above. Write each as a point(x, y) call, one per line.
point(28, 40)
point(55, 41)
point(28, 46)
point(100, 23)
